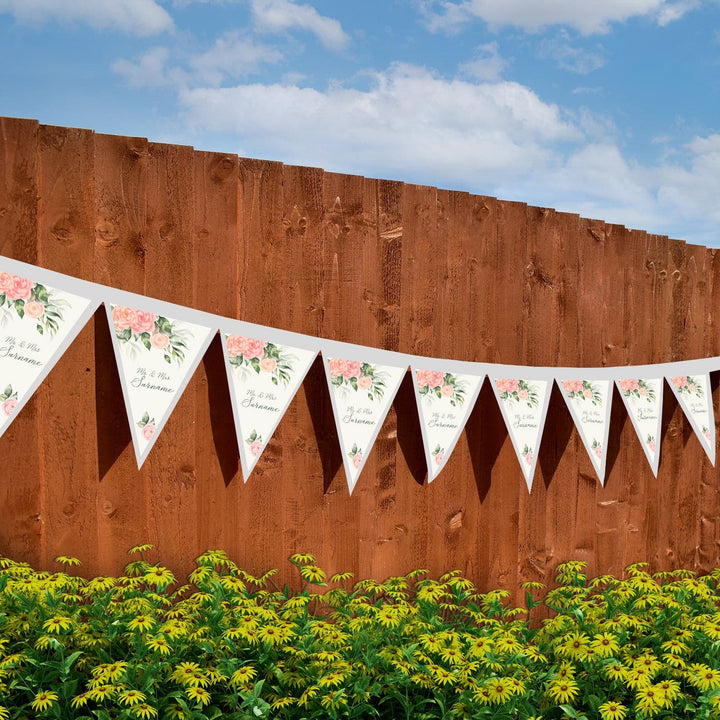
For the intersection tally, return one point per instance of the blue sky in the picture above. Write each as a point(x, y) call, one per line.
point(608, 109)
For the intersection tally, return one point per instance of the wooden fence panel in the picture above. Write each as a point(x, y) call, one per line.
point(372, 262)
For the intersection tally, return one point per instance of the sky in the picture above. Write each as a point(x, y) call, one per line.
point(608, 109)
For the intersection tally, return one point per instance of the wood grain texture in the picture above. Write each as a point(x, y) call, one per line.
point(372, 262)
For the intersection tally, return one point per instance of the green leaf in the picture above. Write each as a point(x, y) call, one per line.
point(40, 329)
point(20, 308)
point(569, 711)
point(145, 339)
point(168, 360)
point(274, 381)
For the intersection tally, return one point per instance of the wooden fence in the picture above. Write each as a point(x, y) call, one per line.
point(374, 262)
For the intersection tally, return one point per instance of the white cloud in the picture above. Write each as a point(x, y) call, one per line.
point(410, 122)
point(281, 15)
point(141, 17)
point(571, 57)
point(531, 15)
point(496, 138)
point(231, 56)
point(487, 63)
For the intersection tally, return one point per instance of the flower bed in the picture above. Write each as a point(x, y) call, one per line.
point(233, 646)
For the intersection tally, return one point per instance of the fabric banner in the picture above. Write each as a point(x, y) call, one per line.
point(643, 398)
point(156, 357)
point(445, 401)
point(524, 403)
point(361, 394)
point(37, 325)
point(263, 378)
point(693, 394)
point(589, 402)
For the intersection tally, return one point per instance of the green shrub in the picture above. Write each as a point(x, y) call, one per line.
point(234, 646)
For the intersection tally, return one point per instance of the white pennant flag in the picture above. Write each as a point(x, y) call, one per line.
point(361, 395)
point(263, 378)
point(524, 405)
point(589, 403)
point(693, 394)
point(643, 398)
point(37, 325)
point(156, 357)
point(444, 402)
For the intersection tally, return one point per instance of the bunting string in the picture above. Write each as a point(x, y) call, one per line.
point(158, 346)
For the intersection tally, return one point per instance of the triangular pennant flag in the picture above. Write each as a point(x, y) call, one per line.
point(263, 378)
point(156, 357)
point(361, 394)
point(444, 402)
point(693, 394)
point(589, 402)
point(643, 398)
point(524, 405)
point(37, 325)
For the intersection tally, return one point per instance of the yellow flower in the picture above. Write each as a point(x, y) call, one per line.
point(273, 634)
point(638, 677)
point(332, 679)
point(605, 645)
point(79, 700)
point(159, 644)
point(340, 577)
point(670, 690)
point(142, 623)
point(451, 655)
point(67, 560)
point(442, 676)
point(313, 574)
point(649, 662)
point(303, 559)
point(335, 701)
point(562, 691)
point(573, 646)
point(508, 644)
point(44, 700)
point(500, 690)
point(175, 712)
point(243, 675)
point(232, 583)
point(140, 549)
point(57, 623)
point(482, 695)
point(649, 700)
point(200, 695)
point(282, 702)
point(4, 713)
point(159, 577)
point(144, 711)
point(100, 692)
point(478, 647)
point(131, 697)
point(705, 678)
point(675, 647)
point(612, 710)
point(184, 671)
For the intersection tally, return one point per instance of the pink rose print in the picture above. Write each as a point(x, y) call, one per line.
point(337, 367)
point(691, 388)
point(144, 322)
point(34, 309)
point(436, 378)
point(439, 457)
point(159, 340)
point(9, 406)
point(268, 365)
point(255, 448)
point(235, 344)
point(587, 393)
point(253, 348)
point(598, 451)
point(6, 281)
point(148, 431)
point(512, 386)
point(364, 382)
point(572, 386)
point(352, 369)
point(447, 390)
point(523, 394)
point(652, 445)
point(642, 391)
point(680, 382)
point(123, 317)
point(21, 288)
point(357, 460)
point(423, 378)
point(529, 457)
point(629, 385)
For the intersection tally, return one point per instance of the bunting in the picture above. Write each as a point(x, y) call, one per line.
point(445, 401)
point(158, 346)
